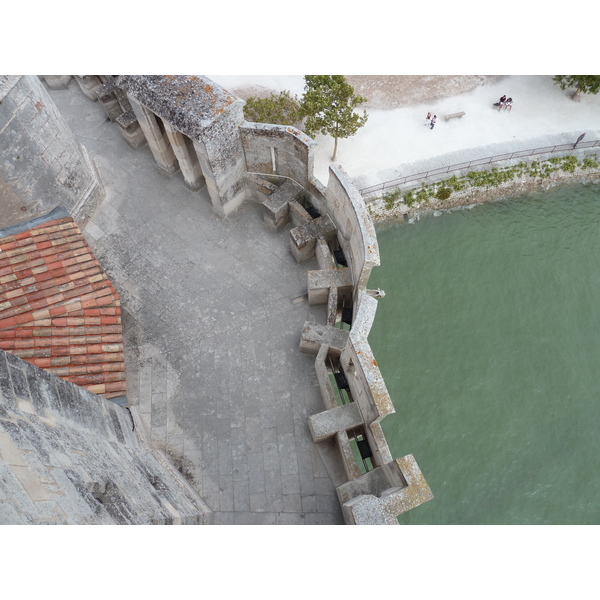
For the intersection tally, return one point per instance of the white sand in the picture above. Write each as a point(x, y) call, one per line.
point(395, 142)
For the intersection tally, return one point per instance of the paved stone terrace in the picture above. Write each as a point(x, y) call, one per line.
point(212, 313)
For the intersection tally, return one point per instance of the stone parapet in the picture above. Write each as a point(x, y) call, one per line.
point(379, 489)
point(278, 149)
point(383, 509)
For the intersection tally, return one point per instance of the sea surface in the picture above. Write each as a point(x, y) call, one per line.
point(488, 339)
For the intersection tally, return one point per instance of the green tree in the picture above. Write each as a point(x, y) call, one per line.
point(583, 84)
point(278, 109)
point(328, 105)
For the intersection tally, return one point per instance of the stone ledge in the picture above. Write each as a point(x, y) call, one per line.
point(320, 282)
point(326, 424)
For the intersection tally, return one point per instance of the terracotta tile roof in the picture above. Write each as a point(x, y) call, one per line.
point(58, 309)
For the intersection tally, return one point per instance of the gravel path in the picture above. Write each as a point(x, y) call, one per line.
point(382, 91)
point(395, 91)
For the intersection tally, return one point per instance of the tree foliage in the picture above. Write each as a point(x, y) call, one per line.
point(586, 84)
point(278, 109)
point(328, 105)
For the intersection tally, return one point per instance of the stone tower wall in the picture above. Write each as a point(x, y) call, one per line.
point(41, 163)
point(68, 456)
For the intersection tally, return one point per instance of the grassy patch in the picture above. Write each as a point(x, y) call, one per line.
point(489, 179)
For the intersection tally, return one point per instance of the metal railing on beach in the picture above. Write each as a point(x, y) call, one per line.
point(478, 162)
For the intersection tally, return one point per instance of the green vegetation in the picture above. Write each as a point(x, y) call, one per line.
point(328, 105)
point(278, 109)
point(583, 84)
point(390, 199)
point(443, 193)
point(488, 179)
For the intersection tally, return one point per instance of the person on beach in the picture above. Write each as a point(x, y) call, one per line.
point(501, 102)
point(427, 119)
point(578, 140)
point(508, 104)
point(433, 121)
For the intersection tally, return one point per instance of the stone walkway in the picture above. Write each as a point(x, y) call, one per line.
point(212, 315)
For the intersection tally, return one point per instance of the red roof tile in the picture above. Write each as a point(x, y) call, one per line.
point(58, 309)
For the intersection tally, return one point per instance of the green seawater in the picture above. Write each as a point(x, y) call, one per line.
point(489, 343)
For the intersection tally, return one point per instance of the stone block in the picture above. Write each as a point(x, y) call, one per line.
point(321, 281)
point(298, 214)
point(348, 461)
point(314, 335)
point(303, 239)
point(324, 255)
point(329, 422)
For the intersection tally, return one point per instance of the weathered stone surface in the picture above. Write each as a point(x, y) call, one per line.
point(191, 103)
point(39, 158)
point(278, 149)
point(68, 456)
point(315, 334)
point(207, 114)
point(321, 281)
point(303, 239)
point(327, 423)
point(367, 501)
point(277, 206)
